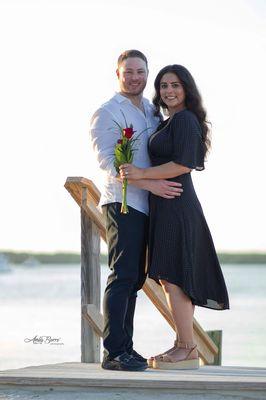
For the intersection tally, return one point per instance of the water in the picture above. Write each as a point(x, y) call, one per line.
point(45, 301)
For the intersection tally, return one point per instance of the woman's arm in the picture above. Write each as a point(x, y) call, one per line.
point(164, 171)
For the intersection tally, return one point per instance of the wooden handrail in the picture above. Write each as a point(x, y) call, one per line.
point(87, 196)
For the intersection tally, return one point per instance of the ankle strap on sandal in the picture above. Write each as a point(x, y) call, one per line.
point(186, 345)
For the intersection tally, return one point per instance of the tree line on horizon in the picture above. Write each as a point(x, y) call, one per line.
point(74, 258)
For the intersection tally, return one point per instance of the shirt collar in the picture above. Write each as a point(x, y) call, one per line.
point(120, 99)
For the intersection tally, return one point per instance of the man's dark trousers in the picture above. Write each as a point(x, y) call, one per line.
point(127, 242)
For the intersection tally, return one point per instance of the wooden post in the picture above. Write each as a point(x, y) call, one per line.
point(90, 283)
point(216, 336)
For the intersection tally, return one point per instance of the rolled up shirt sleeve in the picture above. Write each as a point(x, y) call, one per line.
point(104, 134)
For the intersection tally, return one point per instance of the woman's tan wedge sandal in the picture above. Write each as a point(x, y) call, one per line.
point(166, 361)
point(158, 356)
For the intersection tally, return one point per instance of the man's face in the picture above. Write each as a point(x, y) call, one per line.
point(132, 75)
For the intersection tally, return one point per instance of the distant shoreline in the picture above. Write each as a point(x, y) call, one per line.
point(74, 258)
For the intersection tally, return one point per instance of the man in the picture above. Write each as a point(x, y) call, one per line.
point(126, 233)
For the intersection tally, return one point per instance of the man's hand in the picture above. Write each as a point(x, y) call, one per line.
point(159, 187)
point(163, 188)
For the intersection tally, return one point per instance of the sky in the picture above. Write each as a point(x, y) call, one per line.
point(58, 61)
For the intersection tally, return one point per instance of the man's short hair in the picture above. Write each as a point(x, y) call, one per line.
point(131, 53)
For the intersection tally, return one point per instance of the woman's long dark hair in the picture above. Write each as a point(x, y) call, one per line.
point(193, 101)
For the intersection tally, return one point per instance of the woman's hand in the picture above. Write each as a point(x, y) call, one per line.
point(129, 171)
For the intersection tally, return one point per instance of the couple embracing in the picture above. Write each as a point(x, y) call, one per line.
point(165, 215)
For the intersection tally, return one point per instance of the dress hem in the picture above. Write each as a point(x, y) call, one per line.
point(193, 300)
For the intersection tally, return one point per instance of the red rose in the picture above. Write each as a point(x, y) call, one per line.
point(128, 132)
point(120, 141)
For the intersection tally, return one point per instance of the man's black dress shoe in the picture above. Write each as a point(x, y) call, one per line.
point(124, 362)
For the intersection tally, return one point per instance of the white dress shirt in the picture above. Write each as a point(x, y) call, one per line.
point(104, 134)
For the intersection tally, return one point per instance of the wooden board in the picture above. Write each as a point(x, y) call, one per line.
point(90, 285)
point(94, 318)
point(208, 379)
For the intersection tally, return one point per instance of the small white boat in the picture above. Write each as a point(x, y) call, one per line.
point(4, 264)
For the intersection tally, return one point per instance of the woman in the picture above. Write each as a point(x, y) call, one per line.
point(182, 257)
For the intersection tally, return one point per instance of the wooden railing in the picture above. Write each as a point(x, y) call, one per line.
point(87, 196)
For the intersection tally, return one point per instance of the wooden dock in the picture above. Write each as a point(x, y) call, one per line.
point(209, 382)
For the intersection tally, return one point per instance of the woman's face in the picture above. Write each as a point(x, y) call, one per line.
point(172, 92)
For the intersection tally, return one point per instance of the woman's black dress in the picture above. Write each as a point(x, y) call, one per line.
point(181, 248)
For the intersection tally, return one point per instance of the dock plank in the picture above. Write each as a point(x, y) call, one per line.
point(81, 375)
